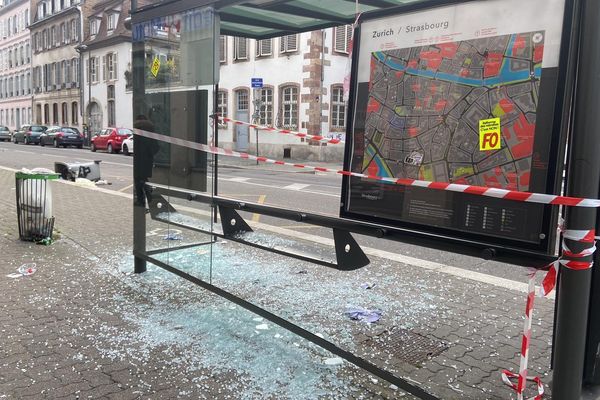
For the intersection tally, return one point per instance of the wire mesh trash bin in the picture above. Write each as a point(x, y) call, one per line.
point(34, 205)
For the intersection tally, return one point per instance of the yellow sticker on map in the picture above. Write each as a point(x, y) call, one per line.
point(489, 134)
point(155, 67)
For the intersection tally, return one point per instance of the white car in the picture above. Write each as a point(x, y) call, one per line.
point(127, 146)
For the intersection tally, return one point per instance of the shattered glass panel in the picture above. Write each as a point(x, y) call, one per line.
point(174, 88)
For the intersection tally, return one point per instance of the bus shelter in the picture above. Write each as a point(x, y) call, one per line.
point(460, 114)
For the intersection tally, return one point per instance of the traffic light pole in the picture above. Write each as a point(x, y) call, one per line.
point(583, 181)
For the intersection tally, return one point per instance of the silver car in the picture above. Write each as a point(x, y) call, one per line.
point(5, 134)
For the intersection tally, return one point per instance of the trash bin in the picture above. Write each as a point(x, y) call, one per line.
point(34, 205)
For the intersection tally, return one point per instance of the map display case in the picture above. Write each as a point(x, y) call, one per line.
point(470, 94)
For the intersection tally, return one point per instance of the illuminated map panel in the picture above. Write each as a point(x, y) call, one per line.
point(425, 104)
point(429, 88)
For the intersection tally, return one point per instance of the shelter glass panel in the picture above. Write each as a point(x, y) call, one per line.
point(175, 70)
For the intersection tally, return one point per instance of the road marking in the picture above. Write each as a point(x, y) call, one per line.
point(125, 188)
point(301, 227)
point(279, 188)
point(53, 155)
point(26, 152)
point(296, 186)
point(114, 163)
point(412, 261)
point(238, 179)
point(261, 200)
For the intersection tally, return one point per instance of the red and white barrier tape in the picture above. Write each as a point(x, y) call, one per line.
point(317, 138)
point(522, 375)
point(548, 284)
point(582, 236)
point(451, 187)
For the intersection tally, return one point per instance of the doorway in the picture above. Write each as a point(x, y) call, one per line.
point(95, 122)
point(241, 114)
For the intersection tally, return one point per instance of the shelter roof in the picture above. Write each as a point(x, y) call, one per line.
point(261, 19)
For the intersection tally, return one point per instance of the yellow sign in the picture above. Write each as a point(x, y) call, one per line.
point(155, 67)
point(489, 134)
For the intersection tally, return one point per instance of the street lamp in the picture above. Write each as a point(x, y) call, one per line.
point(81, 48)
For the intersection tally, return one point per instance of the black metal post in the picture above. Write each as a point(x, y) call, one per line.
point(89, 108)
point(591, 372)
point(583, 181)
point(140, 172)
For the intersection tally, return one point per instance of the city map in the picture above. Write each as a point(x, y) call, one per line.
point(425, 104)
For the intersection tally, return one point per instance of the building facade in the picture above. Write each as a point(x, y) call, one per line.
point(56, 33)
point(302, 77)
point(15, 64)
point(107, 55)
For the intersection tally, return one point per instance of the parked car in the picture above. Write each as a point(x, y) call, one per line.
point(62, 136)
point(127, 146)
point(5, 133)
point(29, 134)
point(110, 139)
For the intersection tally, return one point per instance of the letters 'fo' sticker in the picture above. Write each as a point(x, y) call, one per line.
point(489, 134)
point(155, 67)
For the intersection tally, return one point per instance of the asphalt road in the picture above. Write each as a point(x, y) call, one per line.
point(284, 187)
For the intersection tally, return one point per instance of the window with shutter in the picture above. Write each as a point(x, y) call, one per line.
point(342, 37)
point(110, 96)
point(264, 47)
point(112, 21)
point(288, 44)
point(74, 35)
point(57, 74)
point(240, 48)
point(75, 69)
point(223, 48)
point(115, 67)
point(104, 68)
point(67, 71)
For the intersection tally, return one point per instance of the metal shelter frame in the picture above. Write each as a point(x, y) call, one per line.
point(260, 19)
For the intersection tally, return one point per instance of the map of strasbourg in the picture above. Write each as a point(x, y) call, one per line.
point(425, 104)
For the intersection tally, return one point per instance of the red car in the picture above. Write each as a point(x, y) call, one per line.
point(110, 139)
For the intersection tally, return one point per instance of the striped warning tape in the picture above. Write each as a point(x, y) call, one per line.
point(317, 138)
point(548, 284)
point(582, 236)
point(451, 187)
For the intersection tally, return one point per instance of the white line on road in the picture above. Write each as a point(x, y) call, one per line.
point(240, 179)
point(279, 187)
point(296, 186)
point(53, 155)
point(125, 188)
point(26, 152)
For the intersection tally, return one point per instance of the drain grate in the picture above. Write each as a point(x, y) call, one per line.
point(407, 346)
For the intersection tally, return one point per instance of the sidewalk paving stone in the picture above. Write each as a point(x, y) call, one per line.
point(83, 326)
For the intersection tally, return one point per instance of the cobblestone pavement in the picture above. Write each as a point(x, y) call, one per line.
point(83, 326)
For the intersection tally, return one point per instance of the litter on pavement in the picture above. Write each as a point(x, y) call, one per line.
point(367, 285)
point(362, 314)
point(172, 236)
point(24, 270)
